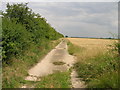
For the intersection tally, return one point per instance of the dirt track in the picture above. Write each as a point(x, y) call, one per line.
point(46, 66)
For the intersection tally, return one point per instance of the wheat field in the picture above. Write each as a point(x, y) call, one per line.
point(92, 47)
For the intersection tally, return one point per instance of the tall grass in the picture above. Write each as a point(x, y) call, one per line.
point(74, 49)
point(56, 80)
point(99, 71)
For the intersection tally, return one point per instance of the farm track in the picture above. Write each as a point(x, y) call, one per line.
point(47, 66)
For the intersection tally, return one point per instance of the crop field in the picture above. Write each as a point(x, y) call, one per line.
point(92, 43)
point(97, 61)
point(92, 47)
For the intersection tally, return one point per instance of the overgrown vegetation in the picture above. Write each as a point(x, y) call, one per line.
point(74, 49)
point(15, 73)
point(26, 38)
point(100, 71)
point(56, 80)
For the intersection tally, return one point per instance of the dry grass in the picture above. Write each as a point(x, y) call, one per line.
point(92, 47)
point(97, 63)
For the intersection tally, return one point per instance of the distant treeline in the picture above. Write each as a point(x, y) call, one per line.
point(23, 28)
point(93, 37)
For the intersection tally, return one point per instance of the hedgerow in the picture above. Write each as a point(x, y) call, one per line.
point(21, 28)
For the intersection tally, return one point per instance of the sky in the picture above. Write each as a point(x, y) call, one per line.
point(79, 19)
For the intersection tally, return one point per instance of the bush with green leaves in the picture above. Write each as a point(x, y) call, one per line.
point(15, 38)
point(21, 28)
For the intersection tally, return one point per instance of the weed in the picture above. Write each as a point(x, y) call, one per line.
point(55, 80)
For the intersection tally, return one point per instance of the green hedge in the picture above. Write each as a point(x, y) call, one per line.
point(21, 28)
